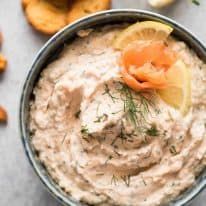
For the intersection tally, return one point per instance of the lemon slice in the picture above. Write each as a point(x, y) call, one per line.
point(145, 30)
point(178, 94)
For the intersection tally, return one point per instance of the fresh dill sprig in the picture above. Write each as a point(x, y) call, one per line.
point(196, 2)
point(136, 110)
point(114, 180)
point(107, 91)
point(126, 179)
point(122, 135)
point(130, 108)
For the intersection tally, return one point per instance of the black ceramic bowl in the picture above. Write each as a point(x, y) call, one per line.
point(51, 50)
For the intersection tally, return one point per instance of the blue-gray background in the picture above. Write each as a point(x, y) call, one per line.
point(19, 186)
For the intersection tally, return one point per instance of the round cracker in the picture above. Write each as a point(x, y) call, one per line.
point(25, 3)
point(46, 16)
point(81, 8)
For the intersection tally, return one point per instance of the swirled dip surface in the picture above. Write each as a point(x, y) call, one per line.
point(106, 144)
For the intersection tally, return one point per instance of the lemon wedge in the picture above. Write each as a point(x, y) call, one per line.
point(145, 30)
point(178, 94)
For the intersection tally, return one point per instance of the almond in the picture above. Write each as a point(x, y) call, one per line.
point(3, 63)
point(3, 115)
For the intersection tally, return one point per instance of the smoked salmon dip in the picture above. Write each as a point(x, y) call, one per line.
point(104, 133)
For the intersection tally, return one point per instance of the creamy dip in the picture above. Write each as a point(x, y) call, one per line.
point(82, 127)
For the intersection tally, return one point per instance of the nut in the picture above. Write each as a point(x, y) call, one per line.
point(3, 63)
point(3, 115)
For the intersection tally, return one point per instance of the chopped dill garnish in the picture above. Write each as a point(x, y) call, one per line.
point(77, 114)
point(101, 118)
point(84, 130)
point(114, 180)
point(173, 150)
point(107, 91)
point(144, 181)
point(100, 174)
point(117, 153)
point(114, 141)
point(157, 110)
point(85, 133)
point(64, 138)
point(116, 112)
point(126, 179)
point(107, 160)
point(122, 135)
point(152, 131)
point(196, 2)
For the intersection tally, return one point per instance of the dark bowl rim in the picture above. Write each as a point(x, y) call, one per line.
point(63, 199)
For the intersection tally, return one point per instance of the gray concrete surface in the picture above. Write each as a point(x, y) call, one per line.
point(19, 186)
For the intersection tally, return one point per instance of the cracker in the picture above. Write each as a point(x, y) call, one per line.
point(25, 3)
point(47, 16)
point(81, 8)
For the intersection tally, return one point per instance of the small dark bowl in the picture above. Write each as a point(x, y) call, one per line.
point(51, 50)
